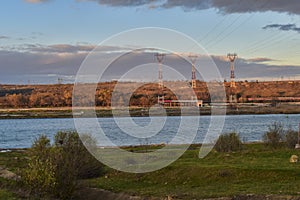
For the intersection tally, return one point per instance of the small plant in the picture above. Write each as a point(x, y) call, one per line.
point(54, 170)
point(291, 137)
point(228, 142)
point(274, 136)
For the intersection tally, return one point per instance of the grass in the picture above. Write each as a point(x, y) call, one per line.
point(256, 169)
point(14, 160)
point(7, 195)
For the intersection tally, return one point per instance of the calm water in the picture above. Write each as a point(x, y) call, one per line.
point(19, 133)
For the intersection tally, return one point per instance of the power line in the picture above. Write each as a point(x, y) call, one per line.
point(217, 25)
point(224, 30)
point(263, 40)
point(267, 41)
point(239, 26)
point(268, 45)
point(243, 22)
point(291, 48)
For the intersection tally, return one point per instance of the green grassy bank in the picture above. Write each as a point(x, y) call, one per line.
point(256, 169)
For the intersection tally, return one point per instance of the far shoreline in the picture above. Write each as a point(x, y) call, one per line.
point(106, 112)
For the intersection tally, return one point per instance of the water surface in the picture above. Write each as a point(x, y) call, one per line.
point(20, 133)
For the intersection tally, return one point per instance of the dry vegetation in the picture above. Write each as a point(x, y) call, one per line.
point(60, 95)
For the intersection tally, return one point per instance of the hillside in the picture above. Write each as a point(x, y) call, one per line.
point(60, 95)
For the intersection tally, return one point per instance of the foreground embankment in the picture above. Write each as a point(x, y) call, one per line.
point(255, 172)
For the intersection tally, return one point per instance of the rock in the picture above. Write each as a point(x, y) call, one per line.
point(4, 173)
point(294, 159)
point(5, 151)
point(169, 197)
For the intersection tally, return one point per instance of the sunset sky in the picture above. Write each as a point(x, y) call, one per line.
point(41, 40)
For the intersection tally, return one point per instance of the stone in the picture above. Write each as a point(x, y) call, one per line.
point(294, 159)
point(169, 197)
point(4, 173)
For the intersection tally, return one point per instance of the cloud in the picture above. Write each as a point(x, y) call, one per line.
point(4, 37)
point(223, 6)
point(188, 5)
point(124, 3)
point(14, 63)
point(64, 59)
point(283, 27)
point(63, 48)
point(247, 6)
point(256, 69)
point(59, 48)
point(36, 1)
point(259, 60)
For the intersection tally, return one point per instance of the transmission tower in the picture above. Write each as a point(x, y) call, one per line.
point(232, 97)
point(160, 58)
point(232, 58)
point(160, 98)
point(59, 81)
point(193, 59)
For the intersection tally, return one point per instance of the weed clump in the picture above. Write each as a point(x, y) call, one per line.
point(291, 137)
point(274, 136)
point(228, 142)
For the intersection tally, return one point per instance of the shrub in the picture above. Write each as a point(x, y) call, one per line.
point(41, 147)
point(55, 169)
point(39, 176)
point(87, 166)
point(228, 142)
point(274, 136)
point(291, 138)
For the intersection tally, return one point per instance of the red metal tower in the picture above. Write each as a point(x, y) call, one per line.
point(193, 59)
point(160, 98)
point(160, 57)
point(232, 58)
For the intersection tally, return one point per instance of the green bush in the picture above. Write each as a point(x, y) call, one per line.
point(55, 169)
point(274, 136)
point(291, 138)
point(228, 142)
point(39, 176)
point(76, 155)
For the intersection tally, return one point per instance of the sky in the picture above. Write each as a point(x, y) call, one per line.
point(42, 40)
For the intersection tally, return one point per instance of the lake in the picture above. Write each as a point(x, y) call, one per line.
point(20, 133)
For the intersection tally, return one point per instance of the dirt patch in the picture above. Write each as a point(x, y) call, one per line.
point(259, 197)
point(99, 194)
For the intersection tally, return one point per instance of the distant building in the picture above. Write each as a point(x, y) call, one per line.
point(180, 103)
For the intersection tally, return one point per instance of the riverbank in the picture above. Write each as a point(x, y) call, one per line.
point(255, 172)
point(66, 112)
